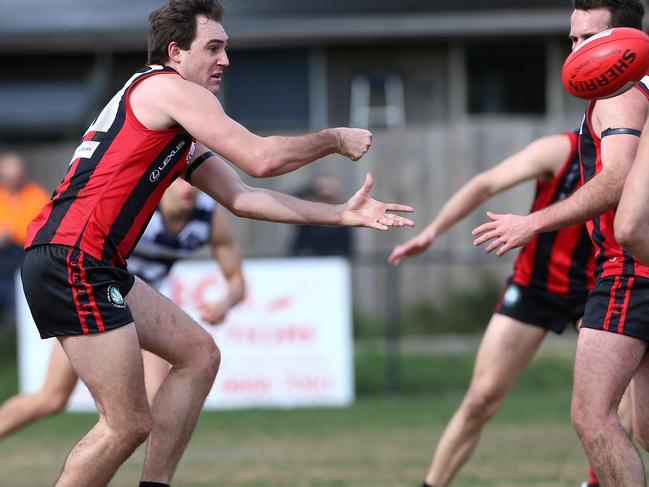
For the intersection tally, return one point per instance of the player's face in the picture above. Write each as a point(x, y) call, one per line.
point(586, 23)
point(12, 171)
point(206, 58)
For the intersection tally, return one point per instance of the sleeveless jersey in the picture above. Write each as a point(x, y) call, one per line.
point(114, 182)
point(610, 258)
point(560, 262)
point(158, 250)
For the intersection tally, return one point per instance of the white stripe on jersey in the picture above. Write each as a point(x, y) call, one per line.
point(645, 81)
point(107, 116)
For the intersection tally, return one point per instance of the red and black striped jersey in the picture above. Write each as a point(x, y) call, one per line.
point(560, 262)
point(114, 182)
point(611, 259)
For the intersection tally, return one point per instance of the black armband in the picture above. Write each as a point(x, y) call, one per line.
point(197, 162)
point(621, 131)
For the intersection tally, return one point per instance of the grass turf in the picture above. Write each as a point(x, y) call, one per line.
point(377, 441)
point(381, 440)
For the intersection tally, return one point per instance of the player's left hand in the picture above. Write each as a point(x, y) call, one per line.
point(214, 313)
point(506, 232)
point(413, 247)
point(363, 211)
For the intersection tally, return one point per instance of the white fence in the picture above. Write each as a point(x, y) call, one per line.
point(288, 344)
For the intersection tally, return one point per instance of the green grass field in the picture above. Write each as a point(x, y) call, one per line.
point(381, 440)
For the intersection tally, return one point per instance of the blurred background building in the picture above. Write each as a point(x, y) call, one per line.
point(449, 87)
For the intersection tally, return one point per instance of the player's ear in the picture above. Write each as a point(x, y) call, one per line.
point(173, 50)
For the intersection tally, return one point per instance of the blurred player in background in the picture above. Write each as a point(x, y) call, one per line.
point(311, 240)
point(612, 343)
point(547, 290)
point(185, 221)
point(163, 124)
point(20, 202)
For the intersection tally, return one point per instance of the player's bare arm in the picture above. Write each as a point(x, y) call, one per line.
point(226, 253)
point(597, 196)
point(542, 159)
point(164, 101)
point(216, 178)
point(632, 216)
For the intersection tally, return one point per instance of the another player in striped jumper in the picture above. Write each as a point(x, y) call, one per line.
point(185, 221)
point(547, 290)
point(612, 344)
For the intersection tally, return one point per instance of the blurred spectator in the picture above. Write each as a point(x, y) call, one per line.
point(20, 202)
point(311, 240)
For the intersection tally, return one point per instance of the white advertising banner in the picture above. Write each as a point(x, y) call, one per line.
point(288, 344)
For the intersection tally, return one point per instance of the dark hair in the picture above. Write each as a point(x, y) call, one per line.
point(624, 13)
point(176, 22)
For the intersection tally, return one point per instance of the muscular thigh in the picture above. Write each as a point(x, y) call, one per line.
point(507, 347)
point(604, 365)
point(162, 327)
point(110, 364)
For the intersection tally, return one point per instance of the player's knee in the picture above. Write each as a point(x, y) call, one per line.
point(136, 430)
point(579, 424)
point(482, 403)
point(142, 429)
point(205, 356)
point(55, 404)
point(584, 421)
point(211, 358)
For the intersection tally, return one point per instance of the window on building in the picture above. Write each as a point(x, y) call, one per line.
point(412, 75)
point(506, 77)
point(268, 89)
point(48, 96)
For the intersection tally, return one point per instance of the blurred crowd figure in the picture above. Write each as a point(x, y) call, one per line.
point(311, 240)
point(20, 201)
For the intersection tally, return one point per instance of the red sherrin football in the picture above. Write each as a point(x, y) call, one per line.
point(607, 64)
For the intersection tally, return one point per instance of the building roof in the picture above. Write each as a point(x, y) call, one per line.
point(92, 24)
point(61, 16)
point(334, 7)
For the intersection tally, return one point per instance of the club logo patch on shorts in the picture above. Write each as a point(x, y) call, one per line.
point(115, 297)
point(512, 296)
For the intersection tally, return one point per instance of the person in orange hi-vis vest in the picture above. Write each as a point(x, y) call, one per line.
point(20, 202)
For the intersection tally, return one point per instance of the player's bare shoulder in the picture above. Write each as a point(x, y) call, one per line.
point(152, 97)
point(628, 110)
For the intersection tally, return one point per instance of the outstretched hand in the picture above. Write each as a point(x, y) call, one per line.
point(363, 211)
point(411, 248)
point(506, 232)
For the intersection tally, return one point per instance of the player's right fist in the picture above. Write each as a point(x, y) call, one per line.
point(353, 143)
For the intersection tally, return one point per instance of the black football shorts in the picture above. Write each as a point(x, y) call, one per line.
point(619, 304)
point(72, 293)
point(541, 308)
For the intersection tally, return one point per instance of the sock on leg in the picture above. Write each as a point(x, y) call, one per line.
point(153, 484)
